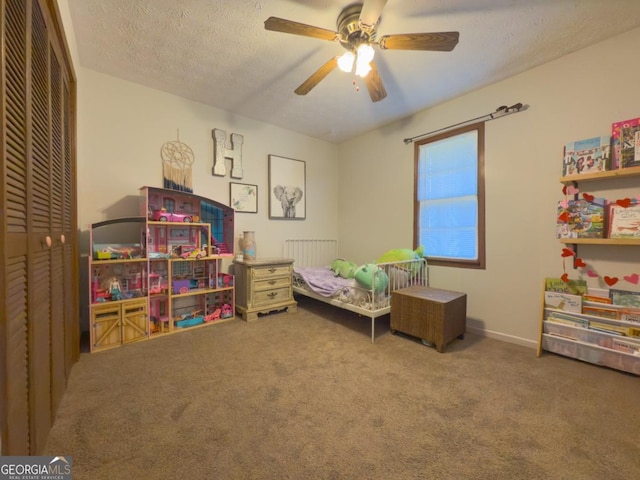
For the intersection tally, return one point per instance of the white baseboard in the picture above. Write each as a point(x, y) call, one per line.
point(503, 337)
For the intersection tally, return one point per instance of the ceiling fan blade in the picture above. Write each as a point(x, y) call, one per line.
point(289, 26)
point(441, 41)
point(317, 76)
point(374, 84)
point(371, 10)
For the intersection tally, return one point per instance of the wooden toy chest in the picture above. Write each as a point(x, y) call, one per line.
point(431, 314)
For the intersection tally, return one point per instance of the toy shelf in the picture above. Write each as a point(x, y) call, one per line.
point(150, 277)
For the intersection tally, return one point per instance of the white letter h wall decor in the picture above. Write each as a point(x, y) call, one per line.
point(221, 152)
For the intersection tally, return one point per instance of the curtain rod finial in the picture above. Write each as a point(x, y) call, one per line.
point(407, 141)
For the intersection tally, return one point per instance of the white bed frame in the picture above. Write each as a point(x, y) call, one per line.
point(318, 253)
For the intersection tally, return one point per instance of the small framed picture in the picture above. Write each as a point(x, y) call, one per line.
point(243, 197)
point(287, 188)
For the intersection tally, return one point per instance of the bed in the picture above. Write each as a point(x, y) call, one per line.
point(313, 277)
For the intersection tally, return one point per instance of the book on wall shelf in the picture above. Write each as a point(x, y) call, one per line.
point(581, 219)
point(624, 222)
point(616, 139)
point(630, 144)
point(591, 155)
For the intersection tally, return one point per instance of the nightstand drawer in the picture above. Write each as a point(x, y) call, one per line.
point(271, 271)
point(272, 283)
point(273, 296)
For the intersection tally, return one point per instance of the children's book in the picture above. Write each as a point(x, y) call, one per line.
point(626, 346)
point(595, 299)
point(601, 311)
point(630, 146)
point(625, 298)
point(586, 218)
point(591, 155)
point(609, 328)
point(575, 287)
point(624, 222)
point(563, 301)
point(616, 139)
point(568, 319)
point(562, 221)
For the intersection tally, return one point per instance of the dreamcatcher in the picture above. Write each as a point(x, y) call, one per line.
point(177, 163)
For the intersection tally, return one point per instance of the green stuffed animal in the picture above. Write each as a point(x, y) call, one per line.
point(343, 268)
point(401, 254)
point(402, 272)
point(371, 277)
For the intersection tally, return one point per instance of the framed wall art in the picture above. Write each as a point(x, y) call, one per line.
point(287, 188)
point(243, 197)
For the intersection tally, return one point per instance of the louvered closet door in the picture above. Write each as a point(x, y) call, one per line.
point(40, 238)
point(40, 334)
point(63, 337)
point(14, 403)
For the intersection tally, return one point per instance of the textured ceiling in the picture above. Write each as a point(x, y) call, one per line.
point(217, 52)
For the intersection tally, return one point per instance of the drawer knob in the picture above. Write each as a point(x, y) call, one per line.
point(272, 282)
point(272, 270)
point(272, 294)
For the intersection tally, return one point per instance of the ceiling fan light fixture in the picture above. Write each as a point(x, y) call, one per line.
point(362, 69)
point(365, 53)
point(345, 61)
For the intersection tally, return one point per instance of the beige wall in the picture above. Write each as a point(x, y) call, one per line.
point(578, 96)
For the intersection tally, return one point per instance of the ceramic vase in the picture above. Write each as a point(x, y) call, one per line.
point(249, 245)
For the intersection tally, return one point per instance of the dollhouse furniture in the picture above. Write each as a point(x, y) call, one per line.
point(153, 275)
point(312, 277)
point(430, 314)
point(264, 286)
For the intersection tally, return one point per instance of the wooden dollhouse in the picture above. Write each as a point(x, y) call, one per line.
point(160, 273)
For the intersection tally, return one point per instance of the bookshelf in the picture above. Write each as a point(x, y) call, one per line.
point(609, 342)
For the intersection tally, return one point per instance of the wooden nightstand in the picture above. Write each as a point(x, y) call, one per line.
point(263, 285)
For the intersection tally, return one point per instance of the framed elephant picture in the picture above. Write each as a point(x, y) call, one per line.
point(287, 188)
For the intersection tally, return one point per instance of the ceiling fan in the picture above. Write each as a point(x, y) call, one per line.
point(357, 31)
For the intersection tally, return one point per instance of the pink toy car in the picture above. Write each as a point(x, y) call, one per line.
point(163, 216)
point(191, 251)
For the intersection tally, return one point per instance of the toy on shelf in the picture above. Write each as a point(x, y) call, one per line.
point(215, 315)
point(190, 251)
point(117, 251)
point(115, 289)
point(189, 319)
point(162, 215)
point(157, 284)
point(227, 311)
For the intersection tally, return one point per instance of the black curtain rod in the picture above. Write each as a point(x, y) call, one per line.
point(500, 112)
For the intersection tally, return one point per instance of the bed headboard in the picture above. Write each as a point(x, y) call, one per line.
point(312, 252)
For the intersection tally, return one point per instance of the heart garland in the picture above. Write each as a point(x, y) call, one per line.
point(567, 190)
point(578, 262)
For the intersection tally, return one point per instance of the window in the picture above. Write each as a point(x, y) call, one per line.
point(449, 197)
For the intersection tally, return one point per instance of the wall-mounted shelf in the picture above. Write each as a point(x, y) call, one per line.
point(619, 173)
point(600, 241)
